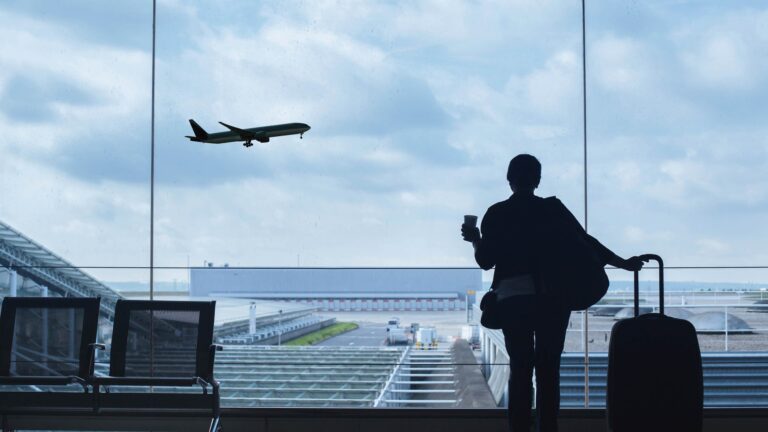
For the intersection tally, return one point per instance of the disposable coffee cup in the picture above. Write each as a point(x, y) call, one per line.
point(470, 220)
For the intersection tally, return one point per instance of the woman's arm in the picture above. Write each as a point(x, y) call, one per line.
point(606, 255)
point(485, 244)
point(632, 264)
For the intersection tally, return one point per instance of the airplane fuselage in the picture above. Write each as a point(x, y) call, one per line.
point(257, 133)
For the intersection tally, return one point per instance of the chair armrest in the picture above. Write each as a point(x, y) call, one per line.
point(209, 376)
point(78, 380)
point(203, 384)
point(212, 357)
point(92, 356)
point(212, 352)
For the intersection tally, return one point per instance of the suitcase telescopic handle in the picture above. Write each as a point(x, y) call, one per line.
point(646, 258)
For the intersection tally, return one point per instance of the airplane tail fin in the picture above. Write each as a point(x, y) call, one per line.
point(200, 133)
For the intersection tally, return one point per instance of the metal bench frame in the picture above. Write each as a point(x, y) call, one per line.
point(197, 404)
point(23, 401)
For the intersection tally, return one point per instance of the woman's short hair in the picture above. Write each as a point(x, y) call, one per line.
point(524, 171)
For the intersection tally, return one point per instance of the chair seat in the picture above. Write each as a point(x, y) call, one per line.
point(30, 401)
point(41, 380)
point(149, 381)
point(199, 403)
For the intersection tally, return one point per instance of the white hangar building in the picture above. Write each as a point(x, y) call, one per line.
point(344, 289)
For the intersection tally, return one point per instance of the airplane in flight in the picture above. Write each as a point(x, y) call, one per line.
point(261, 134)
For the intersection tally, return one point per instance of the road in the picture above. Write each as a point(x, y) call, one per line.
point(365, 335)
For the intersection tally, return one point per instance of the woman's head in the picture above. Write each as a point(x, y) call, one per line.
point(524, 173)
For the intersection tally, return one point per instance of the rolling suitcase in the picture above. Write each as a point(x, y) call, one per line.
point(655, 380)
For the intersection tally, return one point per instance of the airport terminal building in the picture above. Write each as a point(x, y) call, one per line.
point(344, 289)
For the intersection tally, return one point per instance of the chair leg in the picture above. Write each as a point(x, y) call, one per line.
point(215, 424)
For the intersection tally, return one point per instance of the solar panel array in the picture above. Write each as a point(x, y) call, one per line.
point(32, 260)
point(286, 376)
point(259, 376)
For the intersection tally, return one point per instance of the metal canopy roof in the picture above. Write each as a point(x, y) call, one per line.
point(338, 295)
point(287, 376)
point(32, 260)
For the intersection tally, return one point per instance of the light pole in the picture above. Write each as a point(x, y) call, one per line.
point(252, 319)
point(279, 327)
point(467, 305)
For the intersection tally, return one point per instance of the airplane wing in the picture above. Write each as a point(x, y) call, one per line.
point(245, 134)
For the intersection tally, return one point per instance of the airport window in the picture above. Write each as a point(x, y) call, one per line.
point(672, 95)
point(313, 162)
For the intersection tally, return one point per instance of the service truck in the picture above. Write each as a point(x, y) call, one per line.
point(396, 336)
point(414, 328)
point(471, 333)
point(426, 338)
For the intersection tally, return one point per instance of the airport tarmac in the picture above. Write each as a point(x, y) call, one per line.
point(449, 323)
point(365, 335)
point(600, 331)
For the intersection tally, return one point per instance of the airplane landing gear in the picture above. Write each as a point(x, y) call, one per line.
point(301, 135)
point(247, 144)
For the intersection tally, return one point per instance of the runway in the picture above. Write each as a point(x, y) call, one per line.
point(366, 335)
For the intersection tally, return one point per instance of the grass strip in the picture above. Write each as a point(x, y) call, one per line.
point(322, 334)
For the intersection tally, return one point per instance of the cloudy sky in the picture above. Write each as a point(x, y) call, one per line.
point(415, 108)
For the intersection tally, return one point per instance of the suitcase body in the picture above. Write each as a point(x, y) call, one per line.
point(655, 380)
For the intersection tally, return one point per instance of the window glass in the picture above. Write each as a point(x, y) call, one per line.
point(677, 137)
point(729, 318)
point(335, 260)
point(74, 121)
point(415, 111)
point(677, 151)
point(75, 165)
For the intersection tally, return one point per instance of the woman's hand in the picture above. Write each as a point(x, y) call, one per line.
point(470, 233)
point(633, 264)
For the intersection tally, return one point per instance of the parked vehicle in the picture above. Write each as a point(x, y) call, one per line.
point(396, 336)
point(426, 338)
point(471, 333)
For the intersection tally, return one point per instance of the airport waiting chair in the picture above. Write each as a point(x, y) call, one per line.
point(166, 348)
point(46, 354)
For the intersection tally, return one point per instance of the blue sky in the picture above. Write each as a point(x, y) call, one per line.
point(415, 108)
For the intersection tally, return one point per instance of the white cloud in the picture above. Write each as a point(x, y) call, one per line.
point(89, 224)
point(472, 29)
point(721, 61)
point(711, 246)
point(116, 79)
point(537, 105)
point(555, 89)
point(620, 64)
point(642, 236)
point(285, 71)
point(543, 132)
point(627, 175)
point(728, 52)
point(698, 180)
point(368, 185)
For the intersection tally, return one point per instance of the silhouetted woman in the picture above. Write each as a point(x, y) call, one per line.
point(534, 331)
